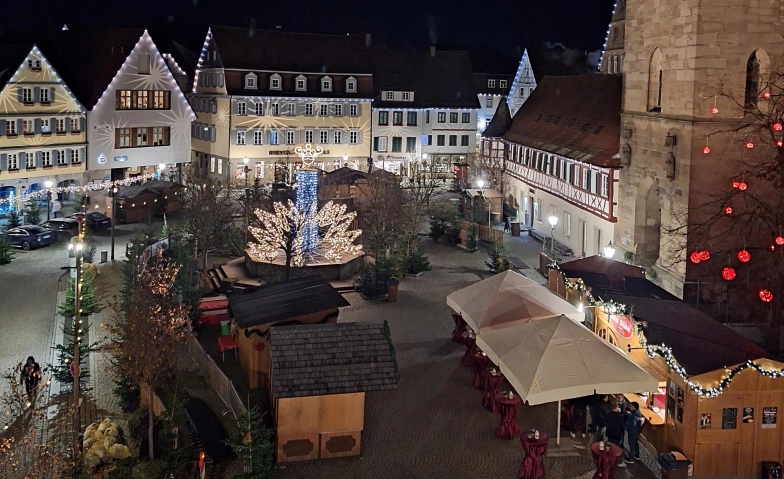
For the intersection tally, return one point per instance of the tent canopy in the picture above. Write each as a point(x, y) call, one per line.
point(556, 358)
point(508, 298)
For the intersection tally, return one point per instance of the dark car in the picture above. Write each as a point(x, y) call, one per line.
point(30, 236)
point(95, 221)
point(63, 228)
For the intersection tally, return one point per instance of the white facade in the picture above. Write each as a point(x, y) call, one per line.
point(522, 85)
point(488, 105)
point(141, 120)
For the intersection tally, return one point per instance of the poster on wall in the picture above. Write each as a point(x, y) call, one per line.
point(729, 418)
point(705, 420)
point(672, 389)
point(680, 397)
point(679, 416)
point(769, 417)
point(671, 405)
point(748, 415)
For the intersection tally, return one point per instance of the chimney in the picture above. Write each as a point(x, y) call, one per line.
point(432, 51)
point(367, 40)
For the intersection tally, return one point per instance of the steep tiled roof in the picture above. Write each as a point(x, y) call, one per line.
point(291, 52)
point(336, 358)
point(578, 117)
point(502, 120)
point(440, 80)
point(11, 58)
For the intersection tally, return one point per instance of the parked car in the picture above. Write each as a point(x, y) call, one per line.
point(63, 228)
point(95, 221)
point(30, 236)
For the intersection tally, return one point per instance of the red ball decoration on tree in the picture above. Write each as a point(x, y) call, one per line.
point(778, 126)
point(728, 210)
point(742, 186)
point(766, 95)
point(773, 247)
point(735, 184)
point(728, 273)
point(714, 110)
point(744, 256)
point(749, 145)
point(765, 295)
point(704, 255)
point(780, 240)
point(695, 257)
point(779, 143)
point(706, 150)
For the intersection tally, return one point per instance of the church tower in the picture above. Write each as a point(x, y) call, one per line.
point(612, 57)
point(677, 55)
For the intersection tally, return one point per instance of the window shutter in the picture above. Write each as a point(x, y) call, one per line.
point(212, 134)
point(38, 163)
point(359, 137)
point(3, 162)
point(22, 160)
point(2, 127)
point(359, 109)
point(83, 152)
point(67, 124)
point(234, 137)
point(81, 124)
point(345, 136)
point(37, 122)
point(52, 125)
point(19, 127)
point(234, 108)
point(67, 155)
point(19, 94)
point(51, 95)
point(117, 100)
point(37, 94)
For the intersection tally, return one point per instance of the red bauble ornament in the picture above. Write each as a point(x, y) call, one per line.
point(714, 110)
point(765, 295)
point(778, 126)
point(766, 95)
point(749, 145)
point(706, 150)
point(742, 186)
point(704, 255)
point(695, 257)
point(728, 210)
point(779, 143)
point(728, 273)
point(744, 256)
point(735, 184)
point(780, 240)
point(773, 247)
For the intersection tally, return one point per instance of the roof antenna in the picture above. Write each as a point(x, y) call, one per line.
point(65, 27)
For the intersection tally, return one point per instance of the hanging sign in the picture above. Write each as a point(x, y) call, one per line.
point(622, 325)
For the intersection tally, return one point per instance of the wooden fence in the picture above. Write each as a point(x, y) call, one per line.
point(217, 379)
point(485, 233)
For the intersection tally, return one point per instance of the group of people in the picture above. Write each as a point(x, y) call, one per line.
point(611, 416)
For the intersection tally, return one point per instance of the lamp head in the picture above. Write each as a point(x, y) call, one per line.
point(115, 190)
point(609, 250)
point(553, 220)
point(245, 160)
point(480, 183)
point(162, 166)
point(424, 156)
point(48, 184)
point(345, 157)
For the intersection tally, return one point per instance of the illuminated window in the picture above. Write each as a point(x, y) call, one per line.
point(123, 138)
point(141, 136)
point(273, 137)
point(158, 138)
point(28, 127)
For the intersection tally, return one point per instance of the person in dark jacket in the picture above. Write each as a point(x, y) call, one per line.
point(507, 227)
point(615, 426)
point(603, 409)
point(31, 376)
point(634, 421)
point(579, 421)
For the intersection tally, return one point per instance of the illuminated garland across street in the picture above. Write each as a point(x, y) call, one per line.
point(105, 185)
point(612, 307)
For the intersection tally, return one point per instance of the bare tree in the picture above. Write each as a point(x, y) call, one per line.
point(379, 201)
point(419, 188)
point(208, 214)
point(733, 234)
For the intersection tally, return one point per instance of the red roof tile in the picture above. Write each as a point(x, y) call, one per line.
point(578, 117)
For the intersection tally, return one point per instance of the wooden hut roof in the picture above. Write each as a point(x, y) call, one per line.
point(334, 358)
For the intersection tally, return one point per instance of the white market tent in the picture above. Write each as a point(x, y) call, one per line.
point(556, 358)
point(506, 299)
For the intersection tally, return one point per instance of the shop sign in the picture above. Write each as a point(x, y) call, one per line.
point(622, 325)
point(101, 159)
point(120, 158)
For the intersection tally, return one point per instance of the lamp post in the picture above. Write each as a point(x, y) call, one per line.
point(48, 184)
point(553, 221)
point(77, 246)
point(481, 183)
point(609, 250)
point(161, 167)
point(345, 160)
point(115, 190)
point(245, 170)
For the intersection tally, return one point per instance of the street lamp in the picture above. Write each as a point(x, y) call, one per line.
point(245, 170)
point(480, 183)
point(48, 184)
point(345, 160)
point(115, 190)
point(553, 221)
point(77, 246)
point(161, 167)
point(609, 250)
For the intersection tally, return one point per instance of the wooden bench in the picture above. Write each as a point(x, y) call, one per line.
point(517, 263)
point(539, 236)
point(549, 243)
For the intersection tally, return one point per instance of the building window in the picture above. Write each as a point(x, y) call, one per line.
point(453, 117)
point(338, 109)
point(275, 82)
point(250, 81)
point(75, 157)
point(412, 118)
point(308, 136)
point(427, 116)
point(452, 140)
point(464, 140)
point(60, 125)
point(59, 156)
point(440, 140)
point(160, 100)
point(123, 138)
point(74, 124)
point(410, 144)
point(212, 165)
point(309, 109)
point(427, 140)
point(34, 64)
point(406, 96)
point(441, 117)
point(13, 161)
point(241, 108)
point(390, 96)
point(397, 144)
point(323, 109)
point(220, 166)
point(324, 137)
point(338, 137)
point(383, 118)
point(44, 95)
point(258, 137)
point(351, 85)
point(158, 136)
point(397, 118)
point(290, 134)
point(502, 84)
point(140, 100)
point(275, 109)
point(757, 73)
point(273, 137)
point(655, 74)
point(259, 108)
point(353, 110)
point(489, 102)
point(522, 91)
point(27, 95)
point(353, 137)
point(30, 160)
point(240, 137)
point(490, 83)
point(326, 84)
point(28, 127)
point(380, 143)
point(292, 107)
point(605, 186)
point(301, 84)
point(46, 158)
point(567, 226)
point(126, 102)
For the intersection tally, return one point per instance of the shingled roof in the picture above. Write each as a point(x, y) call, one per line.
point(578, 117)
point(336, 358)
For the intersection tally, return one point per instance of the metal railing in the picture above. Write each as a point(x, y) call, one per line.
point(216, 378)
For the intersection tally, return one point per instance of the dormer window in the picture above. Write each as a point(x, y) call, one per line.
point(406, 96)
point(351, 85)
point(34, 63)
point(302, 83)
point(490, 83)
point(250, 81)
point(502, 83)
point(326, 84)
point(390, 95)
point(275, 81)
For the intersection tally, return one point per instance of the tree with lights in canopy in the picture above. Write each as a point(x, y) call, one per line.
point(736, 232)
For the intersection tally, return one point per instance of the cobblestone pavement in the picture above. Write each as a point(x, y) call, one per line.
point(433, 425)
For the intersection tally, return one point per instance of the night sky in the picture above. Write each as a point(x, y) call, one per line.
point(499, 25)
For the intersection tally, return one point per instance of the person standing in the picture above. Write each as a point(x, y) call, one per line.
point(578, 415)
point(615, 425)
point(634, 421)
point(56, 207)
point(507, 227)
point(603, 409)
point(31, 376)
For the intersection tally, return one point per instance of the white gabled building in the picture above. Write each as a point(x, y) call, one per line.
point(522, 85)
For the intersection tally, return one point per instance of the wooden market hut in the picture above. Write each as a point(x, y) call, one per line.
point(478, 199)
point(320, 374)
point(134, 203)
point(303, 300)
point(720, 413)
point(169, 195)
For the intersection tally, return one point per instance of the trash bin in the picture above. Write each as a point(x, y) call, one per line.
point(104, 256)
point(392, 285)
point(674, 465)
point(771, 470)
point(225, 328)
point(515, 228)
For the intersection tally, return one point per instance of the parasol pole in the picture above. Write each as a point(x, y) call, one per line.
point(558, 431)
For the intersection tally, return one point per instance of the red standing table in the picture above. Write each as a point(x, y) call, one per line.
point(605, 460)
point(468, 358)
point(460, 328)
point(491, 382)
point(481, 362)
point(535, 449)
point(508, 428)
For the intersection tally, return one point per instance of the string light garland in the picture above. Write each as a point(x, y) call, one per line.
point(609, 306)
point(105, 185)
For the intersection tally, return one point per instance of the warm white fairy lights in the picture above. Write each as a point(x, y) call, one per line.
point(105, 185)
point(338, 241)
